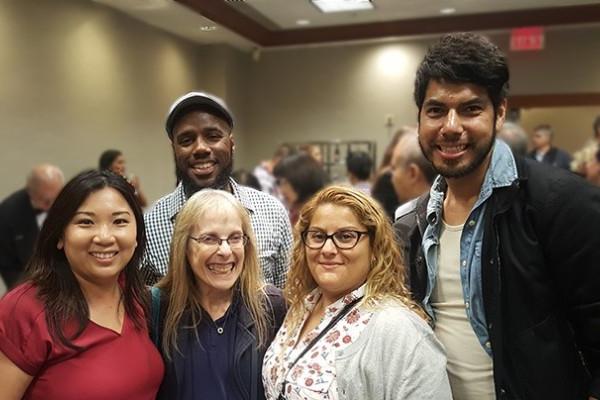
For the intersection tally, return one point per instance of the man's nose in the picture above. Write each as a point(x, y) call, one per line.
point(452, 123)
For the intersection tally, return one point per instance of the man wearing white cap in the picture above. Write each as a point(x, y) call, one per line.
point(200, 127)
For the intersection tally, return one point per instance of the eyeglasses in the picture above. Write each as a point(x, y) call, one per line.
point(344, 239)
point(235, 241)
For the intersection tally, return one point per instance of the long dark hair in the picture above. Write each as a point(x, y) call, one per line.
point(107, 158)
point(51, 274)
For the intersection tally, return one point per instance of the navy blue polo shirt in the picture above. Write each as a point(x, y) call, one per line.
point(208, 365)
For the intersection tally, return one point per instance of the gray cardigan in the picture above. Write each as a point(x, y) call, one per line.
point(396, 357)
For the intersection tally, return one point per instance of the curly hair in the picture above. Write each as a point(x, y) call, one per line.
point(464, 58)
point(386, 279)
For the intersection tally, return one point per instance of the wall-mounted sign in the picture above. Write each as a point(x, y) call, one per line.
point(530, 38)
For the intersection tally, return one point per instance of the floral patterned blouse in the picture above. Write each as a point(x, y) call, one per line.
point(314, 375)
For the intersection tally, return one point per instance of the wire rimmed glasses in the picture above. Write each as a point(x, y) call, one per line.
point(344, 239)
point(234, 241)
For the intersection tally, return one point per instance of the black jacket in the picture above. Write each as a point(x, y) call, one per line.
point(541, 282)
point(247, 359)
point(18, 233)
point(556, 157)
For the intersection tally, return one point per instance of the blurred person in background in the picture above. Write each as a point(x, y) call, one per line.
point(21, 217)
point(515, 136)
point(412, 173)
point(352, 330)
point(216, 317)
point(359, 168)
point(544, 152)
point(113, 160)
point(592, 170)
point(382, 189)
point(246, 178)
point(312, 150)
point(298, 177)
point(77, 328)
point(264, 171)
point(586, 154)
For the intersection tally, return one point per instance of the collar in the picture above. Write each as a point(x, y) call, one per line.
point(502, 172)
point(313, 297)
point(177, 199)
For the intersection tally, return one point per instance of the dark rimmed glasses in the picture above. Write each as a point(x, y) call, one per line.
point(344, 239)
point(235, 241)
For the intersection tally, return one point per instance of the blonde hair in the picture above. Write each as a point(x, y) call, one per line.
point(386, 277)
point(179, 285)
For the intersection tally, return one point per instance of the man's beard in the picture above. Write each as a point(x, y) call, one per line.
point(190, 187)
point(450, 171)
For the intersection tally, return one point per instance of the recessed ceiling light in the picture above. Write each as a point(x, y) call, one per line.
point(208, 28)
point(448, 10)
point(302, 22)
point(330, 6)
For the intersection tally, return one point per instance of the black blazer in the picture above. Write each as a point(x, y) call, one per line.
point(556, 157)
point(18, 233)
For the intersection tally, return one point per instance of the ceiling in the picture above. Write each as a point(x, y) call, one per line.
point(248, 24)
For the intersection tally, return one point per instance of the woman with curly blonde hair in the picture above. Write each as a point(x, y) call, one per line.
point(216, 317)
point(352, 330)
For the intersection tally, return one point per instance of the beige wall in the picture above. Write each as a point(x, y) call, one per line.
point(79, 77)
point(343, 92)
point(572, 125)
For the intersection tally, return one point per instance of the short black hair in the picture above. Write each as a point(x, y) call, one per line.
point(359, 164)
point(246, 178)
point(464, 58)
point(303, 173)
point(107, 158)
point(544, 127)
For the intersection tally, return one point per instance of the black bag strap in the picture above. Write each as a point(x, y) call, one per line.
point(155, 307)
point(330, 325)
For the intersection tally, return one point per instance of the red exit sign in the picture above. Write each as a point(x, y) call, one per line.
point(527, 39)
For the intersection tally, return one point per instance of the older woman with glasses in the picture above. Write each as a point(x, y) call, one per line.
point(216, 316)
point(352, 331)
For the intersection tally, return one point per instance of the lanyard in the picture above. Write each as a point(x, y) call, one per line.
point(330, 325)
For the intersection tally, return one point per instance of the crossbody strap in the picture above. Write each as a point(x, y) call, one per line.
point(330, 325)
point(155, 314)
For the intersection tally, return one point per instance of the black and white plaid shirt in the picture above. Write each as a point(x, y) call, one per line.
point(269, 220)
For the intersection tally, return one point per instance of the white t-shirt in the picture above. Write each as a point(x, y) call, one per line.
point(469, 366)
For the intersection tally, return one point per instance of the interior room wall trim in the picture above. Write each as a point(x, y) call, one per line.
point(554, 100)
point(219, 12)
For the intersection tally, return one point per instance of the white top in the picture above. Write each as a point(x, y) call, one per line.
point(469, 366)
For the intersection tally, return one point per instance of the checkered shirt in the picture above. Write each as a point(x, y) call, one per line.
point(268, 217)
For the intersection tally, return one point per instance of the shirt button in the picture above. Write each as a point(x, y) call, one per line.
point(472, 222)
point(464, 263)
point(467, 304)
point(488, 345)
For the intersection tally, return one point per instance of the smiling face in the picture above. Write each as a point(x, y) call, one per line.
point(100, 239)
point(457, 127)
point(218, 267)
point(338, 272)
point(203, 148)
